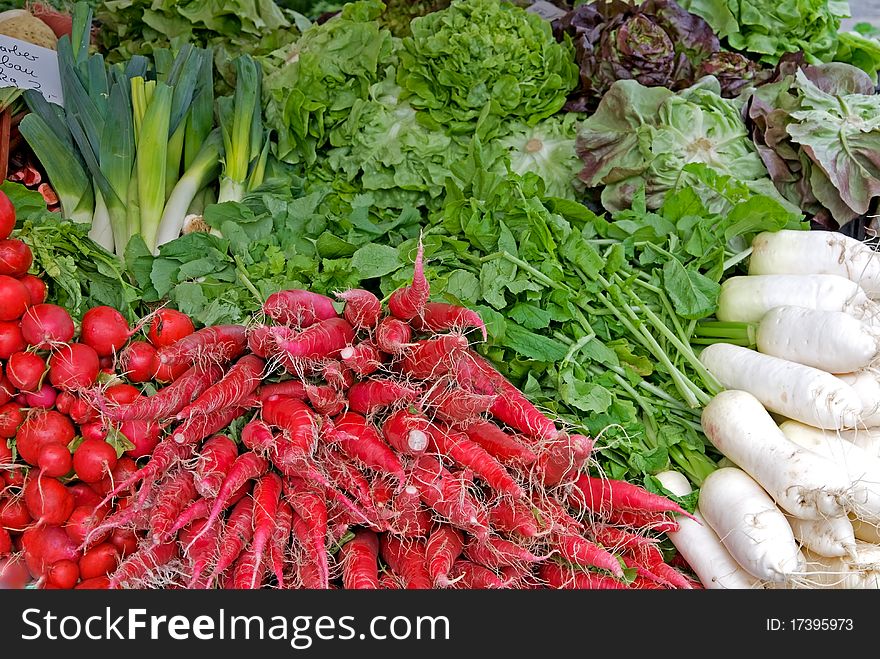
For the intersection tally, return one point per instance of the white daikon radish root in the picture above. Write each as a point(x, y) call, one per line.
point(816, 252)
point(865, 530)
point(863, 470)
point(803, 483)
point(866, 384)
point(861, 572)
point(832, 341)
point(749, 525)
point(700, 546)
point(831, 536)
point(793, 390)
point(746, 299)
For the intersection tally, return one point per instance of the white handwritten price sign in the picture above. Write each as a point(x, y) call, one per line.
point(27, 66)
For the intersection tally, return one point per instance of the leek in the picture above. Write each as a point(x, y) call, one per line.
point(152, 160)
point(242, 126)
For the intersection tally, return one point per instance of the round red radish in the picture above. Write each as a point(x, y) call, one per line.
point(14, 515)
point(63, 402)
point(125, 541)
point(45, 545)
point(43, 399)
point(122, 394)
point(7, 390)
point(11, 418)
point(15, 477)
point(25, 370)
point(15, 258)
point(7, 216)
point(143, 434)
point(105, 330)
point(11, 340)
point(54, 460)
point(41, 427)
point(125, 467)
point(73, 366)
point(81, 411)
point(138, 361)
point(81, 520)
point(84, 495)
point(95, 583)
point(62, 574)
point(14, 298)
point(169, 326)
point(98, 561)
point(44, 325)
point(5, 454)
point(5, 542)
point(37, 289)
point(14, 574)
point(93, 459)
point(47, 499)
point(93, 430)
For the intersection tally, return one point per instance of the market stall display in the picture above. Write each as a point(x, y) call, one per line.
point(469, 294)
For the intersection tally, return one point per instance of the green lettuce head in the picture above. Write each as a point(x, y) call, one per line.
point(485, 57)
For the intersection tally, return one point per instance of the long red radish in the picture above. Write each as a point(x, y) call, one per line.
point(267, 493)
point(296, 419)
point(196, 510)
point(563, 458)
point(216, 344)
point(513, 516)
point(280, 541)
point(649, 563)
point(584, 553)
point(452, 403)
point(169, 400)
point(247, 466)
point(433, 358)
point(286, 389)
point(357, 438)
point(239, 382)
point(215, 459)
point(407, 559)
point(370, 395)
point(176, 493)
point(393, 335)
point(335, 373)
point(617, 538)
point(310, 529)
point(510, 405)
point(299, 308)
point(472, 456)
point(442, 317)
point(605, 493)
point(636, 519)
point(236, 533)
point(409, 301)
point(166, 454)
point(203, 550)
point(498, 553)
point(558, 577)
point(322, 340)
point(197, 428)
point(471, 576)
point(142, 569)
point(407, 432)
point(248, 572)
point(409, 518)
point(363, 358)
point(347, 477)
point(257, 436)
point(444, 547)
point(448, 495)
point(499, 444)
point(362, 308)
point(325, 399)
point(360, 566)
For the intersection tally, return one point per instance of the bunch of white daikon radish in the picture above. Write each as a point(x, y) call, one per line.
point(798, 502)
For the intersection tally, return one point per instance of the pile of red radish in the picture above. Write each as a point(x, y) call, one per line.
point(370, 449)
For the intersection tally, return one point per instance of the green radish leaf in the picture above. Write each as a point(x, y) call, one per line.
point(530, 316)
point(375, 260)
point(534, 346)
point(693, 295)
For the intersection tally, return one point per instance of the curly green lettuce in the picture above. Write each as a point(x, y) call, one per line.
point(485, 58)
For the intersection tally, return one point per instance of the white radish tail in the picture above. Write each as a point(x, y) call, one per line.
point(832, 536)
point(747, 299)
point(832, 341)
point(800, 481)
point(750, 526)
point(862, 469)
point(865, 531)
point(866, 384)
point(848, 573)
point(816, 252)
point(700, 546)
point(793, 390)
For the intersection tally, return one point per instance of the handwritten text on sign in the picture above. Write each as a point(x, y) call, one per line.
point(27, 66)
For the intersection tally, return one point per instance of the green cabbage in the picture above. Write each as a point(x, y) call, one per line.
point(485, 58)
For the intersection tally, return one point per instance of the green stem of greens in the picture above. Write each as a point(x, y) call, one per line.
point(736, 258)
point(708, 332)
point(242, 274)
